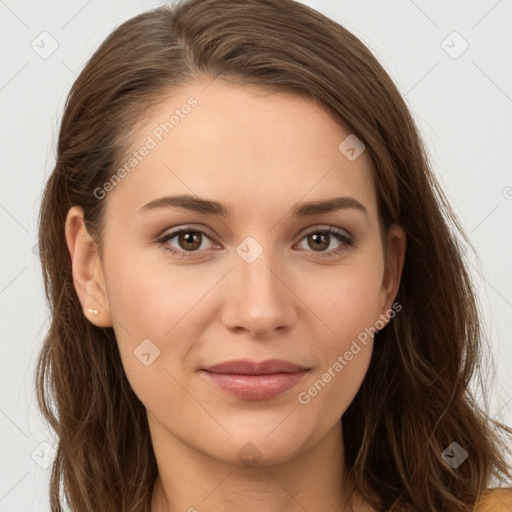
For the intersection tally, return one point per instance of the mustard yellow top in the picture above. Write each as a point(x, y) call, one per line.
point(496, 500)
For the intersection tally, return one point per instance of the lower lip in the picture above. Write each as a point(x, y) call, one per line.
point(256, 387)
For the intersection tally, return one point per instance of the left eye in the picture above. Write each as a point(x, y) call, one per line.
point(320, 239)
point(191, 241)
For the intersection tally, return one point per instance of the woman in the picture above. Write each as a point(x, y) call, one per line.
point(258, 300)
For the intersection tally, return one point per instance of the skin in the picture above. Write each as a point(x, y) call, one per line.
point(259, 154)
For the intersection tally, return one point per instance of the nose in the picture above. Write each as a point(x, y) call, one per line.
point(258, 298)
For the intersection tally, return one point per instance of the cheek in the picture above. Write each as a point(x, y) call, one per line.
point(164, 303)
point(150, 297)
point(348, 305)
point(154, 306)
point(343, 354)
point(346, 300)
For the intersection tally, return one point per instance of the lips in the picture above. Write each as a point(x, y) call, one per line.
point(250, 380)
point(244, 367)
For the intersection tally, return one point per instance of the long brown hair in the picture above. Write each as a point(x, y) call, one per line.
point(415, 400)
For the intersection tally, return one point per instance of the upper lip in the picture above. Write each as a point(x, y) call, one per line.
point(245, 367)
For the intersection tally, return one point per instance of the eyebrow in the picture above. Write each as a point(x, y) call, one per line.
point(197, 204)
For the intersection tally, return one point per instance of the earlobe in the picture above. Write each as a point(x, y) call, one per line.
point(396, 247)
point(86, 269)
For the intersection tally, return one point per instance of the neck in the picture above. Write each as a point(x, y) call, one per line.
point(193, 482)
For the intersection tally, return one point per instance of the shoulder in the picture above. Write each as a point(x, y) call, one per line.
point(498, 499)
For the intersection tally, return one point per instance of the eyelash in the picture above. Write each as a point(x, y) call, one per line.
point(347, 242)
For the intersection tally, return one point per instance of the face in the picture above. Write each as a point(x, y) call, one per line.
point(256, 274)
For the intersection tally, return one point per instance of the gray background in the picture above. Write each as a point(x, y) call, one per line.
point(462, 101)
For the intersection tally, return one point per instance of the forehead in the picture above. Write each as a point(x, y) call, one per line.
point(244, 146)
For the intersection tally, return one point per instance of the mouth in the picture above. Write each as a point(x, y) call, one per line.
point(255, 381)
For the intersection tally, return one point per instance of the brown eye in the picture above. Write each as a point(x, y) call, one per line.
point(189, 240)
point(318, 241)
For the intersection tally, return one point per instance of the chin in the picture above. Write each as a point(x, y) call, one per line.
point(253, 447)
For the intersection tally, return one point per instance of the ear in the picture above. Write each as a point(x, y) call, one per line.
point(396, 246)
point(87, 269)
